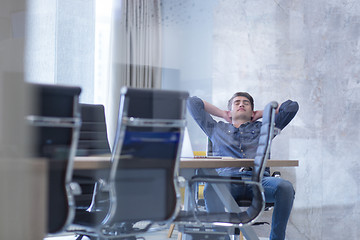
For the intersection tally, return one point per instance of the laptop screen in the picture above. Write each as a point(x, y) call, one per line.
point(187, 151)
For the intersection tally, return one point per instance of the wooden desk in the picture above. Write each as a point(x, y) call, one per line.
point(91, 163)
point(231, 162)
point(98, 162)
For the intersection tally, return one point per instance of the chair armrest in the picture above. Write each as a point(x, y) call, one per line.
point(75, 188)
point(99, 187)
point(181, 181)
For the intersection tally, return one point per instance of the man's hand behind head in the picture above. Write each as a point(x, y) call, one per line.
point(227, 116)
point(257, 115)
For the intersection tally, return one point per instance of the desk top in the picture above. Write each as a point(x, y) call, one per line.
point(231, 162)
point(98, 162)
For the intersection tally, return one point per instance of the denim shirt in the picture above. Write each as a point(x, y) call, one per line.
point(235, 142)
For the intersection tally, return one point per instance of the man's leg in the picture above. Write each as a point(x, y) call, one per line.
point(281, 193)
point(214, 204)
point(212, 200)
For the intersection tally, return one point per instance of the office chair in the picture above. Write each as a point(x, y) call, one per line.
point(93, 132)
point(200, 224)
point(55, 123)
point(142, 184)
point(93, 140)
point(199, 188)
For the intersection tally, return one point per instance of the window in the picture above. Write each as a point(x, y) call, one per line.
point(68, 43)
point(103, 19)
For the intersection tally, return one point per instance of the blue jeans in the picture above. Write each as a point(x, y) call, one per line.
point(277, 191)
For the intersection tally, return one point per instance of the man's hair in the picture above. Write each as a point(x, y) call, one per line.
point(241, 94)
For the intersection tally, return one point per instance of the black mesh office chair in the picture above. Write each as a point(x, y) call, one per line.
point(199, 224)
point(55, 121)
point(143, 178)
point(93, 132)
point(93, 140)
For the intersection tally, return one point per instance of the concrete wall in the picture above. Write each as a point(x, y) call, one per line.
point(303, 50)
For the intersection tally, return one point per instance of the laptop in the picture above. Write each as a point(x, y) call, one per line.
point(187, 150)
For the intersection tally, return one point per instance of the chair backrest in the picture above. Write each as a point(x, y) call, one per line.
point(55, 120)
point(93, 133)
point(266, 136)
point(261, 157)
point(146, 155)
point(93, 140)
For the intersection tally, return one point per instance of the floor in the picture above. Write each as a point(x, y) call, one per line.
point(161, 235)
point(263, 231)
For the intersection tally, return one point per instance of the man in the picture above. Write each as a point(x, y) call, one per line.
point(239, 138)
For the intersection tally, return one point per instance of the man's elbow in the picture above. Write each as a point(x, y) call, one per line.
point(293, 107)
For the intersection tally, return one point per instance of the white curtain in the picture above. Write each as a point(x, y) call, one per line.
point(136, 53)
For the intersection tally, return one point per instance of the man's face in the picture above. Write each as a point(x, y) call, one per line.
point(241, 109)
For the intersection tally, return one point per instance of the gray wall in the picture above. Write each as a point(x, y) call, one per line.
point(307, 51)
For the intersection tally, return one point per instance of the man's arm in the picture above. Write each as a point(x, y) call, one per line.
point(259, 113)
point(285, 112)
point(196, 108)
point(215, 111)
